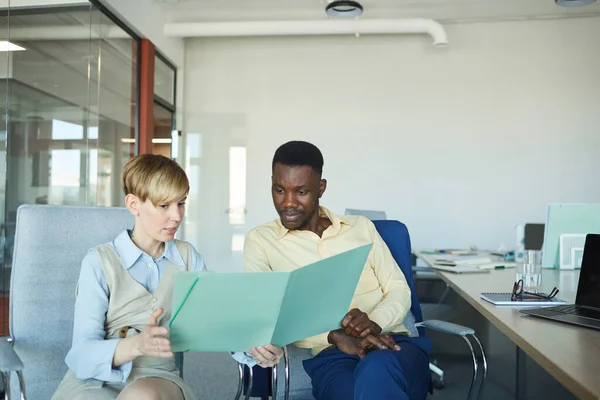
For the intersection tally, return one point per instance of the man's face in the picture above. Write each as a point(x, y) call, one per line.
point(296, 192)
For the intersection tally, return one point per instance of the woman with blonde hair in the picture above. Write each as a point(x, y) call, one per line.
point(120, 347)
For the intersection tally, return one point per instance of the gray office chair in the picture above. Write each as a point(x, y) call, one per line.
point(370, 214)
point(50, 243)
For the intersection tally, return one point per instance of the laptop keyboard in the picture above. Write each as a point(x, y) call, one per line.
point(574, 310)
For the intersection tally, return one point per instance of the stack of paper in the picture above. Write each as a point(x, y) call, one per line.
point(452, 261)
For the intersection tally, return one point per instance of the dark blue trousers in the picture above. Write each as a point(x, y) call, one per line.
point(381, 375)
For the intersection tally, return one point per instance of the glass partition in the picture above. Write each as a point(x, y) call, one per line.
point(164, 80)
point(164, 108)
point(5, 72)
point(68, 95)
point(162, 141)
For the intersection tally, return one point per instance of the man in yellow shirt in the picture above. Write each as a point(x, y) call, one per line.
point(371, 356)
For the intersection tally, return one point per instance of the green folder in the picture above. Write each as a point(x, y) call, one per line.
point(238, 311)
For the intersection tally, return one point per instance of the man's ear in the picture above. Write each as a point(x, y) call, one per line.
point(133, 204)
point(322, 187)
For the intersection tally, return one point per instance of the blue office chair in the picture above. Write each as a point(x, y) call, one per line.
point(396, 236)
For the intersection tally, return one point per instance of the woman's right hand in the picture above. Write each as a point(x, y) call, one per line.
point(152, 340)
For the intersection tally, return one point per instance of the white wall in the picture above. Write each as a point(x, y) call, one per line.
point(461, 144)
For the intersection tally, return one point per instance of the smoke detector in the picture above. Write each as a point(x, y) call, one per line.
point(343, 9)
point(573, 3)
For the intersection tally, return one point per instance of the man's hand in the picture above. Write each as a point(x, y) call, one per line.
point(266, 356)
point(359, 346)
point(149, 341)
point(357, 324)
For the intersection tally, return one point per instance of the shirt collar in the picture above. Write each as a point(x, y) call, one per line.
point(130, 253)
point(334, 229)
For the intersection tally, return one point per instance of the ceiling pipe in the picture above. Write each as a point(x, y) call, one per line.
point(315, 27)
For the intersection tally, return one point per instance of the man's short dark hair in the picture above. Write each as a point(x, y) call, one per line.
point(298, 153)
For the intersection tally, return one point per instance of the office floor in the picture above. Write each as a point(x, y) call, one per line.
point(457, 375)
point(499, 385)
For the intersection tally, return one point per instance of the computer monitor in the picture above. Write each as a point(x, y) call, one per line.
point(588, 290)
point(567, 218)
point(534, 236)
point(371, 214)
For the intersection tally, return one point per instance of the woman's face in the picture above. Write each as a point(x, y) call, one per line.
point(160, 222)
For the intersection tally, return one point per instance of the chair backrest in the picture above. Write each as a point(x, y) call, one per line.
point(371, 214)
point(396, 237)
point(50, 243)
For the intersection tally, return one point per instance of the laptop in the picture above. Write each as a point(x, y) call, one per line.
point(586, 310)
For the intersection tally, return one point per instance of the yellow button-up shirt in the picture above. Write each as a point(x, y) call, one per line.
point(382, 291)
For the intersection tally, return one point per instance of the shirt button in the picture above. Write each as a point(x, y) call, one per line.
point(154, 300)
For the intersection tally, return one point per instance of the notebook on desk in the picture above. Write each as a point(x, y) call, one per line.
point(504, 299)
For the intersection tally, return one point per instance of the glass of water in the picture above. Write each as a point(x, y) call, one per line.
point(530, 271)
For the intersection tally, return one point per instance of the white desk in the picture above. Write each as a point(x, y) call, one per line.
point(569, 353)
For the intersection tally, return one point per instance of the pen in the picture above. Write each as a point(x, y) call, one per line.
point(499, 267)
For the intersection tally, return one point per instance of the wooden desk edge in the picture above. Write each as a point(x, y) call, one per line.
point(563, 377)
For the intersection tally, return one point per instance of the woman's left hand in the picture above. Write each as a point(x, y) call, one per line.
point(266, 356)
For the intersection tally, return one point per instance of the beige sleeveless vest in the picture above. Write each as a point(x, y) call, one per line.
point(130, 305)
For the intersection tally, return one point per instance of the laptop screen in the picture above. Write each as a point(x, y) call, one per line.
point(588, 291)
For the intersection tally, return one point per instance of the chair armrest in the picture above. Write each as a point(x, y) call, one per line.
point(9, 360)
point(446, 327)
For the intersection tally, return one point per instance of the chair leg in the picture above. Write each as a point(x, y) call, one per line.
point(274, 383)
point(286, 393)
point(250, 376)
point(474, 367)
point(484, 366)
point(6, 383)
point(440, 373)
point(241, 381)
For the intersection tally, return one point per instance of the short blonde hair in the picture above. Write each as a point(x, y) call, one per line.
point(154, 177)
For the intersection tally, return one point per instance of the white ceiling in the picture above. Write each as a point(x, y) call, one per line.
point(447, 11)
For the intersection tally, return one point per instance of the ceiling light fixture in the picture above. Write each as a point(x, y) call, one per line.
point(162, 140)
point(573, 3)
point(154, 140)
point(8, 46)
point(343, 9)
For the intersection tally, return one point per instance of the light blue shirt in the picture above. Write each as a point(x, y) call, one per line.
point(91, 354)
